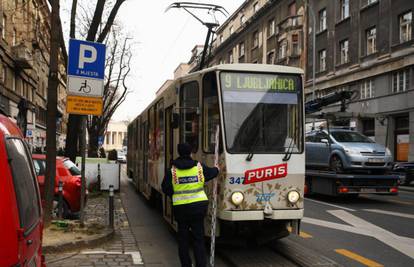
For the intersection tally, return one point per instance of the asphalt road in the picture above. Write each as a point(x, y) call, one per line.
point(371, 230)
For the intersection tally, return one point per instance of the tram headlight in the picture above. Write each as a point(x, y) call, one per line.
point(237, 198)
point(293, 196)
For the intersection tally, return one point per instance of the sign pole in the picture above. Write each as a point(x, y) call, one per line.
point(83, 182)
point(214, 211)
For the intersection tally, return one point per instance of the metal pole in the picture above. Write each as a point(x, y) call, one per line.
point(83, 184)
point(111, 206)
point(214, 211)
point(313, 52)
point(60, 205)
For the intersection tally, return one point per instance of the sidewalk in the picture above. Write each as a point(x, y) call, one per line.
point(122, 250)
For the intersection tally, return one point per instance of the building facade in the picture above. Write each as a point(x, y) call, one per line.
point(367, 46)
point(24, 67)
point(116, 135)
point(263, 31)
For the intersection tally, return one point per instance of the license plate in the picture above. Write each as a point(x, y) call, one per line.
point(368, 190)
point(375, 160)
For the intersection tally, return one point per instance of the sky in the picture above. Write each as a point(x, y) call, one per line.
point(163, 40)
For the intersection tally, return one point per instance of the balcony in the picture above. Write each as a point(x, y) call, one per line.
point(22, 56)
point(291, 23)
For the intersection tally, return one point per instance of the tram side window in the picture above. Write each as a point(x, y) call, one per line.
point(211, 113)
point(188, 114)
point(160, 127)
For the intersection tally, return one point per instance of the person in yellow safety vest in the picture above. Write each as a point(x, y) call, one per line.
point(184, 183)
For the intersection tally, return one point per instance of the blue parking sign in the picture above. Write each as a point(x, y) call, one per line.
point(86, 59)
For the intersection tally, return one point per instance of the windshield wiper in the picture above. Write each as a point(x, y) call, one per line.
point(289, 151)
point(251, 154)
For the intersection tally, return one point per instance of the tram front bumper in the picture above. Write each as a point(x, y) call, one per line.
point(257, 215)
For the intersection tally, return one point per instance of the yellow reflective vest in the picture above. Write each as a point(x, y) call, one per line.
point(188, 185)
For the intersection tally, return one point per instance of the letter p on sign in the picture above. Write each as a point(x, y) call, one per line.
point(85, 57)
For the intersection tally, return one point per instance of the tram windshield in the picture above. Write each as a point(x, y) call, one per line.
point(262, 112)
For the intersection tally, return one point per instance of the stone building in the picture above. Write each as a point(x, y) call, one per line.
point(24, 61)
point(367, 46)
point(116, 135)
point(263, 31)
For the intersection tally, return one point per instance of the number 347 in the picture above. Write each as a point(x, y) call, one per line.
point(236, 180)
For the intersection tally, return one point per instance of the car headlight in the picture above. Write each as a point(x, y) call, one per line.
point(237, 198)
point(293, 196)
point(351, 151)
point(387, 152)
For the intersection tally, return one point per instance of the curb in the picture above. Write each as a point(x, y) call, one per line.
point(80, 244)
point(406, 188)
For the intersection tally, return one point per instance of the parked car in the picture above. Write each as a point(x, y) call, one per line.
point(70, 175)
point(121, 157)
point(406, 171)
point(343, 149)
point(21, 222)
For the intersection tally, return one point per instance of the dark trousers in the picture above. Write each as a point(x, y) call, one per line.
point(195, 223)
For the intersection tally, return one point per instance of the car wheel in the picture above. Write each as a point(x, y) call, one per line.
point(336, 164)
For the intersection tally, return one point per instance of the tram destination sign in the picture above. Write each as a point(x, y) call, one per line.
point(277, 83)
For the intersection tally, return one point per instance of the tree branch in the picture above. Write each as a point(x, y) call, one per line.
point(96, 20)
point(110, 20)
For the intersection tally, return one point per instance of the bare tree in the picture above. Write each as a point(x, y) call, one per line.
point(104, 15)
point(115, 88)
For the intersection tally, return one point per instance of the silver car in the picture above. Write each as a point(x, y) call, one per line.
point(343, 149)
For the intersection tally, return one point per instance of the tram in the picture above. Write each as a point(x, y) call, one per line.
point(260, 113)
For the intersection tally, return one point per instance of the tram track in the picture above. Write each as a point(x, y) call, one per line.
point(285, 252)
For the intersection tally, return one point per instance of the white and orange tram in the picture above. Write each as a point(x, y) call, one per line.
point(260, 112)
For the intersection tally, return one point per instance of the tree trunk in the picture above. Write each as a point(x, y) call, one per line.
point(72, 136)
point(93, 142)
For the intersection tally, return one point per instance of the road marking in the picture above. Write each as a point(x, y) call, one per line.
point(358, 258)
point(388, 200)
point(301, 233)
point(329, 204)
point(404, 245)
point(332, 225)
point(405, 215)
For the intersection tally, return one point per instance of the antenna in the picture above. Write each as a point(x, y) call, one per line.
point(211, 10)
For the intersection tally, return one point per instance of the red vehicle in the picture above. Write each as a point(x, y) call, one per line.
point(21, 222)
point(70, 175)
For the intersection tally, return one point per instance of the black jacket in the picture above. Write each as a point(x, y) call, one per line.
point(196, 208)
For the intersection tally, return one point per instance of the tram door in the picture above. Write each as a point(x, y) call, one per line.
point(169, 155)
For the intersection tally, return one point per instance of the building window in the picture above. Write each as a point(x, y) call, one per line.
point(405, 26)
point(322, 20)
point(371, 40)
point(292, 9)
point(271, 57)
point(344, 9)
point(221, 39)
point(231, 61)
point(241, 49)
point(400, 81)
point(282, 49)
point(222, 61)
point(368, 2)
point(14, 37)
point(368, 128)
point(3, 26)
point(242, 19)
point(322, 60)
point(255, 39)
point(295, 44)
point(255, 7)
point(367, 89)
point(271, 27)
point(231, 30)
point(344, 48)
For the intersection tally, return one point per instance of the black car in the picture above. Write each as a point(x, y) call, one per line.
point(407, 171)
